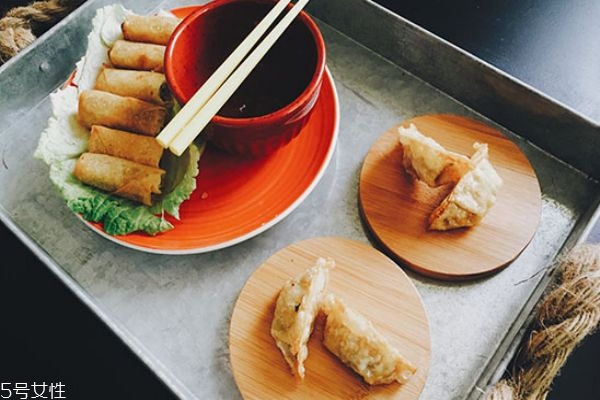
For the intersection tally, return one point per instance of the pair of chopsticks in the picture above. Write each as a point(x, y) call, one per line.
point(181, 131)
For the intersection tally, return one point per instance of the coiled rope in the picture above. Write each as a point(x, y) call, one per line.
point(19, 26)
point(567, 314)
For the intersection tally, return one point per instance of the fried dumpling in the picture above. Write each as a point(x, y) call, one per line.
point(426, 160)
point(297, 306)
point(355, 341)
point(472, 197)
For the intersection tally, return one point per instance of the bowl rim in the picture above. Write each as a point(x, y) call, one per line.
point(273, 116)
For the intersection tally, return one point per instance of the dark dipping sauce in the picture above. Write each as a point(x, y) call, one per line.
point(278, 79)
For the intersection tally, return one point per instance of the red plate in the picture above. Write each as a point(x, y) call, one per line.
point(238, 198)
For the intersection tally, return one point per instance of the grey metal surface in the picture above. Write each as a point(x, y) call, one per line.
point(174, 311)
point(521, 108)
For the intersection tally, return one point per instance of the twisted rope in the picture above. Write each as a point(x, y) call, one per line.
point(568, 313)
point(18, 25)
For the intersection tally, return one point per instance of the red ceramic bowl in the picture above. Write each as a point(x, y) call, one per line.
point(275, 101)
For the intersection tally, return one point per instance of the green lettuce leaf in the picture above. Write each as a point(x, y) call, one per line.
point(64, 140)
point(121, 216)
point(180, 180)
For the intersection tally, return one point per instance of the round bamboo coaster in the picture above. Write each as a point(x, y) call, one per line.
point(396, 208)
point(369, 282)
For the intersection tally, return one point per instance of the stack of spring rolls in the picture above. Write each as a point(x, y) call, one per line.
point(128, 106)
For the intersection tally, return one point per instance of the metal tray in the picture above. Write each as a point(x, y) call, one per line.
point(174, 311)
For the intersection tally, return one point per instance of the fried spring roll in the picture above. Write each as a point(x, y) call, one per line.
point(120, 177)
point(144, 85)
point(127, 113)
point(138, 56)
point(155, 29)
point(130, 146)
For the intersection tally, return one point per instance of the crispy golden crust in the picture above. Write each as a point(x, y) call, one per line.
point(449, 215)
point(130, 114)
point(424, 159)
point(144, 85)
point(117, 176)
point(136, 55)
point(155, 29)
point(297, 306)
point(355, 341)
point(472, 197)
point(130, 146)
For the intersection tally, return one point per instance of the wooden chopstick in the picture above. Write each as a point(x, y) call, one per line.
point(208, 89)
point(204, 113)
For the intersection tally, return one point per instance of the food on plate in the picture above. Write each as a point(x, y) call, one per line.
point(144, 85)
point(356, 342)
point(471, 198)
point(137, 55)
point(103, 167)
point(127, 113)
point(155, 29)
point(426, 160)
point(130, 146)
point(125, 178)
point(296, 308)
